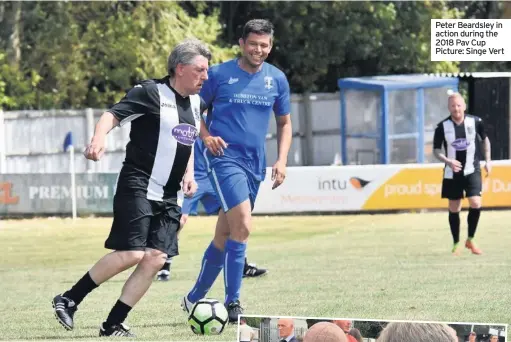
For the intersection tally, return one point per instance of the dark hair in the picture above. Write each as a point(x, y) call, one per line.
point(257, 26)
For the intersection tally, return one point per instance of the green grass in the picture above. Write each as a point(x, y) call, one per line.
point(361, 266)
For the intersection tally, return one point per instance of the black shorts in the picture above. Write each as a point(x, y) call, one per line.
point(140, 223)
point(456, 188)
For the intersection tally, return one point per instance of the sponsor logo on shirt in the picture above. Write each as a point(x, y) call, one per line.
point(185, 134)
point(460, 144)
point(196, 114)
point(232, 80)
point(168, 105)
point(268, 82)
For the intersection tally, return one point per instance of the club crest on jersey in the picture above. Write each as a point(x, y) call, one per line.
point(460, 144)
point(185, 134)
point(268, 82)
point(196, 114)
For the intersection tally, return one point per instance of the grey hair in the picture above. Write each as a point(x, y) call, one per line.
point(185, 52)
point(417, 332)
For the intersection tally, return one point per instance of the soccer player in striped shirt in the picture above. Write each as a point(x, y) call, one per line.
point(165, 116)
point(457, 144)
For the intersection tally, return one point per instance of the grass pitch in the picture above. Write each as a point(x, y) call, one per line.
point(382, 267)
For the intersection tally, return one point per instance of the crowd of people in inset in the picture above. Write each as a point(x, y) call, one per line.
point(341, 330)
point(344, 331)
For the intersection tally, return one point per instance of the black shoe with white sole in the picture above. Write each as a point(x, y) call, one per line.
point(234, 310)
point(120, 330)
point(252, 271)
point(64, 310)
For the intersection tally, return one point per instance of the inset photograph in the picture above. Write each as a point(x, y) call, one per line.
point(303, 329)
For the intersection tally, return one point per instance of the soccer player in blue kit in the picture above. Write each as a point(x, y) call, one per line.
point(209, 199)
point(241, 93)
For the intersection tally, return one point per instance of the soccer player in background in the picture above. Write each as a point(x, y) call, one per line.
point(456, 143)
point(208, 197)
point(165, 117)
point(242, 93)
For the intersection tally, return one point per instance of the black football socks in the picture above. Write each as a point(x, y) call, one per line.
point(81, 289)
point(473, 220)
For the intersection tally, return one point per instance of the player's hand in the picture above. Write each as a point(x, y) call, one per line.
point(278, 174)
point(455, 165)
point(189, 186)
point(215, 145)
point(487, 168)
point(95, 149)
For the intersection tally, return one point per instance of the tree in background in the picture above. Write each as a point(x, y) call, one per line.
point(319, 42)
point(86, 54)
point(484, 10)
point(369, 329)
point(253, 322)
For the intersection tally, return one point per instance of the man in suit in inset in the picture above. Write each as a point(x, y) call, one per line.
point(286, 328)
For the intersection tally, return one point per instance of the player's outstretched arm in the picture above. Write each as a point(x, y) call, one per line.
point(438, 141)
point(487, 156)
point(454, 164)
point(284, 137)
point(215, 145)
point(481, 131)
point(189, 184)
point(96, 148)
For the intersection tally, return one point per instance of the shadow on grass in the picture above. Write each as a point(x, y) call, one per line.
point(76, 337)
point(109, 281)
point(134, 327)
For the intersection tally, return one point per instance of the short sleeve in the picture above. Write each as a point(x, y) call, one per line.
point(282, 104)
point(438, 138)
point(134, 104)
point(480, 129)
point(207, 92)
point(203, 106)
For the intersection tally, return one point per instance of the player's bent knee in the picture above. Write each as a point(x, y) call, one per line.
point(475, 202)
point(131, 257)
point(454, 206)
point(154, 258)
point(240, 233)
point(241, 230)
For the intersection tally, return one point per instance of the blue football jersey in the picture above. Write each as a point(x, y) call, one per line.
point(239, 110)
point(200, 167)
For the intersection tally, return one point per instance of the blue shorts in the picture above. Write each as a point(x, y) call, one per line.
point(233, 184)
point(206, 194)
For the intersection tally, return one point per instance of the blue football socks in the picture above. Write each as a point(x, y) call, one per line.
point(212, 264)
point(233, 269)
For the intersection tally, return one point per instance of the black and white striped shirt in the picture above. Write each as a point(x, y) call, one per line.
point(164, 126)
point(461, 142)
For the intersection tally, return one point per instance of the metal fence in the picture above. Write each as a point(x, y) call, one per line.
point(32, 141)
